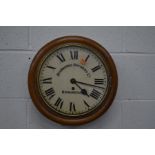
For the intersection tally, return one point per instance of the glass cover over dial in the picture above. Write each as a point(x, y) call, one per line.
point(73, 80)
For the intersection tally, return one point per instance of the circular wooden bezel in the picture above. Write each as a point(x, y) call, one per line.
point(44, 108)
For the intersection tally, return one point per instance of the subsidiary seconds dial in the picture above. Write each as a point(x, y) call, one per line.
point(72, 80)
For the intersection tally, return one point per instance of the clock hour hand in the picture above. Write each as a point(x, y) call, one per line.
point(83, 91)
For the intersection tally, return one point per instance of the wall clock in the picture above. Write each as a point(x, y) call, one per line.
point(72, 80)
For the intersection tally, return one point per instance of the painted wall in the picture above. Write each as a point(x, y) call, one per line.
point(132, 48)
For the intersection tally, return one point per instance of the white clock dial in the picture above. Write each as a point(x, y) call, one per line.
point(73, 80)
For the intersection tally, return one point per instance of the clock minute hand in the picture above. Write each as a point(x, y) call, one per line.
point(87, 84)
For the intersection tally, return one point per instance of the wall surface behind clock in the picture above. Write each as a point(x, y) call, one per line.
point(133, 49)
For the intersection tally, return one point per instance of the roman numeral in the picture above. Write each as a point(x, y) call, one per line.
point(59, 103)
point(99, 81)
point(50, 67)
point(47, 81)
point(86, 58)
point(86, 103)
point(72, 107)
point(74, 54)
point(95, 94)
point(61, 57)
point(50, 93)
point(96, 68)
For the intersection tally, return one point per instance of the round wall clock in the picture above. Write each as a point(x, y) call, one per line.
point(72, 80)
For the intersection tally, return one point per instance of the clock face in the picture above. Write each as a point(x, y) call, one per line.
point(73, 80)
